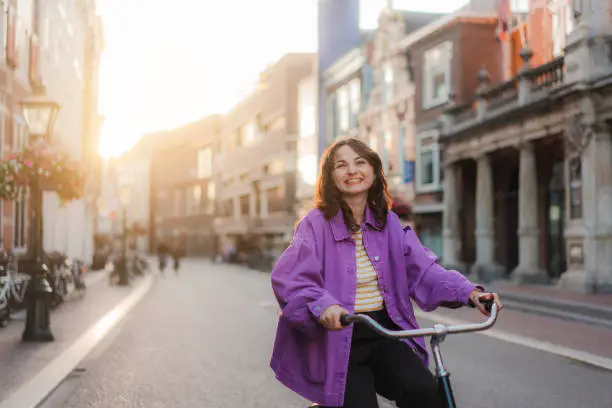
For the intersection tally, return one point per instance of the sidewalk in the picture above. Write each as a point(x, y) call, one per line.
point(594, 309)
point(20, 362)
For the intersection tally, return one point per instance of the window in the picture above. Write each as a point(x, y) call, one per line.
point(575, 186)
point(343, 109)
point(428, 162)
point(19, 222)
point(519, 6)
point(250, 134)
point(204, 163)
point(386, 148)
point(19, 134)
point(387, 96)
point(401, 151)
point(388, 140)
point(276, 199)
point(244, 204)
point(562, 25)
point(373, 142)
point(307, 109)
point(210, 198)
point(427, 167)
point(275, 167)
point(307, 120)
point(197, 198)
point(177, 203)
point(228, 207)
point(437, 75)
point(277, 124)
point(354, 101)
point(331, 119)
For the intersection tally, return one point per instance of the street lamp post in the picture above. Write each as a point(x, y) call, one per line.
point(39, 112)
point(123, 266)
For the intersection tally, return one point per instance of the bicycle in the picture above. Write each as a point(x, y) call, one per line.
point(438, 334)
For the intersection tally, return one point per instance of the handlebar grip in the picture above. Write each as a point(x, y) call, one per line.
point(488, 302)
point(345, 320)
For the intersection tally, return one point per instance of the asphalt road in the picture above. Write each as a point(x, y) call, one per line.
point(204, 338)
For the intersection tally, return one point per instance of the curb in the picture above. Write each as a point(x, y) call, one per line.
point(37, 389)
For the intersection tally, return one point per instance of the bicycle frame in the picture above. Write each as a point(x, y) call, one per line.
point(438, 334)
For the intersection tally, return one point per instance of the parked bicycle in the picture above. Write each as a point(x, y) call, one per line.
point(13, 288)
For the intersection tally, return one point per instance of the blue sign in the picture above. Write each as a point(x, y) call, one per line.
point(408, 171)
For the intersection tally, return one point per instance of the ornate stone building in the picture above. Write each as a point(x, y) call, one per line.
point(528, 167)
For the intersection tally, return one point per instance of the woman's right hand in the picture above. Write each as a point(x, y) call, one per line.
point(330, 318)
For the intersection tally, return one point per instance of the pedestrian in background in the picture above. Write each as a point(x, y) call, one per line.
point(163, 251)
point(177, 253)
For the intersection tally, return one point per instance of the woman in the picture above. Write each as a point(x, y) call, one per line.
point(351, 255)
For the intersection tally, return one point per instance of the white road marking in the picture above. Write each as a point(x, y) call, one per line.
point(524, 341)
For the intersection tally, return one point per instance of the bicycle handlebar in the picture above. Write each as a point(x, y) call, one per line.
point(437, 330)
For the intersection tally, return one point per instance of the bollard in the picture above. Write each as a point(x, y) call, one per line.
point(37, 328)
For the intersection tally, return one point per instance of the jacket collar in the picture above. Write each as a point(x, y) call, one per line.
point(340, 229)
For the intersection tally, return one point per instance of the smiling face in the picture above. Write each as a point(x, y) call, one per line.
point(352, 174)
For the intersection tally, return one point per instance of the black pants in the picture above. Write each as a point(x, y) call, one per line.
point(388, 367)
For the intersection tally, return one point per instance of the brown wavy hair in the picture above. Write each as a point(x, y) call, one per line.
point(328, 198)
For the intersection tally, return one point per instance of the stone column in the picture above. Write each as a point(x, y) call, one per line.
point(450, 220)
point(603, 211)
point(528, 269)
point(587, 44)
point(591, 237)
point(485, 268)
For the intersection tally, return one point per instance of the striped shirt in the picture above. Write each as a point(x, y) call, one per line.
point(368, 296)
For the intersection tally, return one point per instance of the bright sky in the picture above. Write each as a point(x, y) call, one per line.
point(167, 63)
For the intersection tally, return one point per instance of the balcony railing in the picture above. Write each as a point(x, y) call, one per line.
point(529, 85)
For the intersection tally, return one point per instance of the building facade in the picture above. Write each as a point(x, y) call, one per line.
point(307, 145)
point(258, 162)
point(127, 186)
point(17, 72)
point(43, 44)
point(529, 159)
point(445, 65)
point(69, 44)
point(92, 120)
point(345, 86)
point(386, 121)
point(183, 189)
point(338, 32)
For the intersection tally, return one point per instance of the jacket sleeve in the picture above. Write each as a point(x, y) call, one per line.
point(432, 286)
point(297, 282)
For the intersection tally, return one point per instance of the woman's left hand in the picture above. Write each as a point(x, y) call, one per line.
point(475, 297)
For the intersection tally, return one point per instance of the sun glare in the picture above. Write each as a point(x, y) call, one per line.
point(173, 65)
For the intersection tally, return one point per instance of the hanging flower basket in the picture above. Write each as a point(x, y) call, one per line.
point(46, 165)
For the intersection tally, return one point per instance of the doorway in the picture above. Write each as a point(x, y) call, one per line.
point(555, 222)
point(511, 201)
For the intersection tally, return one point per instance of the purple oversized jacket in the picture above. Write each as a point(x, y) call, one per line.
point(318, 269)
